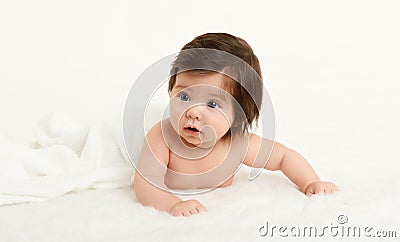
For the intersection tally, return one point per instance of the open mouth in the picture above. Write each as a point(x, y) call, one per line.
point(192, 130)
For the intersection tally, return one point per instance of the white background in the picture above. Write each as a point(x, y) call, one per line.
point(331, 67)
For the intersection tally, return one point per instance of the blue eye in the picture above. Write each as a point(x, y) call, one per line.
point(184, 96)
point(213, 104)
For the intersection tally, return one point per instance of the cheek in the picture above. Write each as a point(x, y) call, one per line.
point(223, 121)
point(176, 112)
point(228, 115)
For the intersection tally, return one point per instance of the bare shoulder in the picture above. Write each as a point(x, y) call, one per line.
point(254, 142)
point(156, 142)
point(158, 131)
point(263, 153)
point(155, 132)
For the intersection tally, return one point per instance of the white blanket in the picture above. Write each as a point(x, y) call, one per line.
point(67, 157)
point(70, 157)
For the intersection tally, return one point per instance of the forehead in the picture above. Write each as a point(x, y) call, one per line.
point(190, 78)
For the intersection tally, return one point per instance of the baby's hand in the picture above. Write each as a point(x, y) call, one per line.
point(187, 208)
point(320, 187)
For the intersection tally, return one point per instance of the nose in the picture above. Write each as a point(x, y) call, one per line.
point(195, 112)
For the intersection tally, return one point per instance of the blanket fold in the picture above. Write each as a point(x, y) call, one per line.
point(67, 157)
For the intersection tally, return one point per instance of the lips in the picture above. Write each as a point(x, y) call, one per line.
point(193, 130)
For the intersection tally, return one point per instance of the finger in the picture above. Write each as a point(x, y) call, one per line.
point(178, 213)
point(186, 213)
point(328, 191)
point(201, 208)
point(335, 189)
point(330, 188)
point(319, 191)
point(194, 211)
point(309, 192)
point(175, 213)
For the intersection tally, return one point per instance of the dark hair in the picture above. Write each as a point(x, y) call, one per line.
point(200, 55)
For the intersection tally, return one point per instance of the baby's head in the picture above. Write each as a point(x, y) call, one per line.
point(228, 63)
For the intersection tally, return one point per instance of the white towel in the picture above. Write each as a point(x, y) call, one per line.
point(68, 157)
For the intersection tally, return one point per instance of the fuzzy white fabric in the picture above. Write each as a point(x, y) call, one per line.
point(235, 213)
point(369, 195)
point(67, 157)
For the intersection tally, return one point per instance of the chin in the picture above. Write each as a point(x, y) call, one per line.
point(192, 141)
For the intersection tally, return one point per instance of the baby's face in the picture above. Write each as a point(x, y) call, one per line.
point(201, 111)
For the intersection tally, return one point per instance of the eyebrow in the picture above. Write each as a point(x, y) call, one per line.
point(221, 95)
point(224, 94)
point(180, 86)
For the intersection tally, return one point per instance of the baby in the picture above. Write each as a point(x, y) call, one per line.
point(214, 100)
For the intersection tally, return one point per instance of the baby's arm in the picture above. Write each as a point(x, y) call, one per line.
point(152, 166)
point(291, 163)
